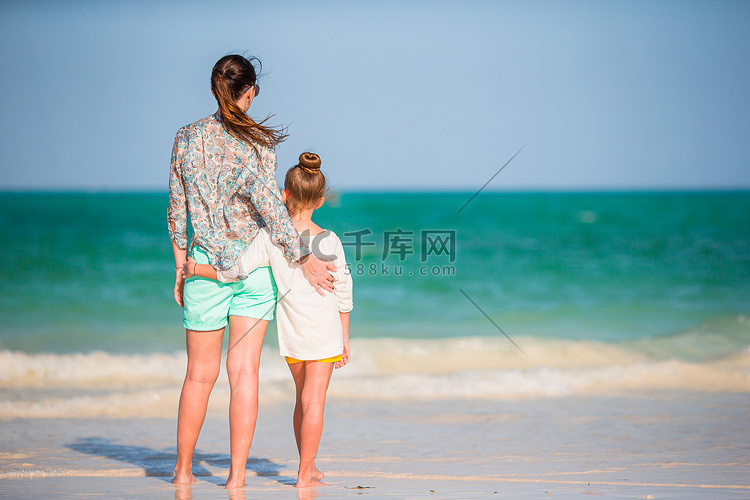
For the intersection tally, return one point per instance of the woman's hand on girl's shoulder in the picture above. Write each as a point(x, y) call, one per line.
point(316, 272)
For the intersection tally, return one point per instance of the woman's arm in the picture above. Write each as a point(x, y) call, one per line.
point(180, 255)
point(266, 198)
point(177, 213)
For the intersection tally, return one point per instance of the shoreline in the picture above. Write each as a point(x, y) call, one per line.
point(380, 487)
point(658, 445)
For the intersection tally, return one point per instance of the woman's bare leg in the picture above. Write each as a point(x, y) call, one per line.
point(311, 379)
point(243, 361)
point(204, 360)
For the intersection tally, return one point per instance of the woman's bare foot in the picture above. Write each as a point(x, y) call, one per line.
point(186, 478)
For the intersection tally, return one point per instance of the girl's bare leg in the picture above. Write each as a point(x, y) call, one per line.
point(243, 361)
point(311, 379)
point(204, 360)
point(299, 382)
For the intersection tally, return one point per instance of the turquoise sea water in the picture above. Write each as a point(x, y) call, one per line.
point(94, 271)
point(600, 292)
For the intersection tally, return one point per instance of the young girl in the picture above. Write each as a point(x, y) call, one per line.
point(313, 328)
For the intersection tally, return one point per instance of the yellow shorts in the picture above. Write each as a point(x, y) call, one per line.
point(291, 361)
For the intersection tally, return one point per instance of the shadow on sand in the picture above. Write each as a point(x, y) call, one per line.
point(159, 463)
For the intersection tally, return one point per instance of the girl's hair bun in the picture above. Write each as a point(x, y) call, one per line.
point(309, 162)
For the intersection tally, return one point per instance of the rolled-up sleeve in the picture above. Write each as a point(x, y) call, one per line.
point(177, 210)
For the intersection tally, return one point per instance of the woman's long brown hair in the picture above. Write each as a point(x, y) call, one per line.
point(230, 77)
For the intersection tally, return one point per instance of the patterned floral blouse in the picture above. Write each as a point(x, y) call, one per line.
point(228, 192)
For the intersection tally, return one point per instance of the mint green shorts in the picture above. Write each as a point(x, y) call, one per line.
point(209, 303)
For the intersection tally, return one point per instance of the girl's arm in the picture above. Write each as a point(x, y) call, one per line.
point(346, 355)
point(342, 284)
point(343, 288)
point(191, 268)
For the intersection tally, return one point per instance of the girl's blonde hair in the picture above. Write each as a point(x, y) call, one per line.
point(304, 183)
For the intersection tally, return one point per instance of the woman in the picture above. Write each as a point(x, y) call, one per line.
point(222, 183)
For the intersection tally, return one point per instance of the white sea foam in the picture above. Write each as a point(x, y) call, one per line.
point(19, 369)
point(549, 382)
point(97, 383)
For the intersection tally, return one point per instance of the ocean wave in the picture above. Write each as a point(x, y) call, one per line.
point(551, 382)
point(18, 369)
point(715, 339)
point(98, 383)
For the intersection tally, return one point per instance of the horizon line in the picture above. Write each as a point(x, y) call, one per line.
point(334, 192)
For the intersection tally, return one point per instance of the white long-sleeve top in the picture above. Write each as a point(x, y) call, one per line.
point(308, 324)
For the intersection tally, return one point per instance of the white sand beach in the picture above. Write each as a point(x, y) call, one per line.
point(650, 445)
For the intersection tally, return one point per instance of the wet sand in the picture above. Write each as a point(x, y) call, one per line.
point(650, 445)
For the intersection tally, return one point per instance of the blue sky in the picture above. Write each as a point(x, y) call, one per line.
point(399, 95)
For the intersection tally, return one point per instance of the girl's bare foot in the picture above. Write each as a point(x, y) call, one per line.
point(186, 478)
point(233, 484)
point(316, 474)
point(235, 481)
point(310, 481)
